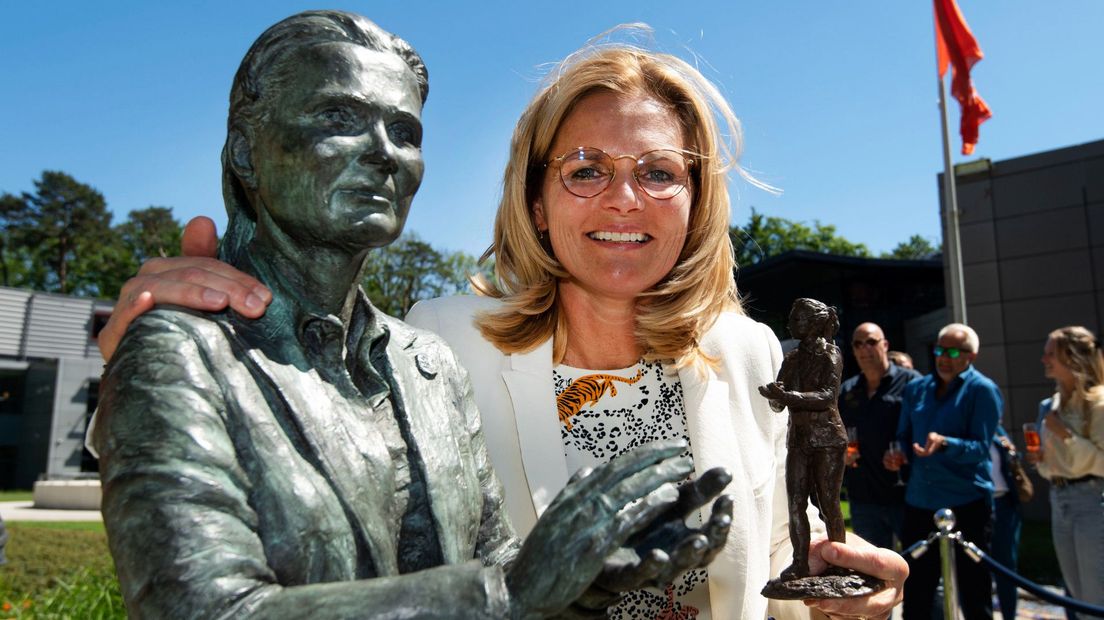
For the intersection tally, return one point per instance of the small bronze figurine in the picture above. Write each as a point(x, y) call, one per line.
point(808, 385)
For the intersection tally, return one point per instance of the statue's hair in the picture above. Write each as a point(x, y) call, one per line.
point(258, 77)
point(1079, 350)
point(823, 314)
point(673, 315)
point(972, 340)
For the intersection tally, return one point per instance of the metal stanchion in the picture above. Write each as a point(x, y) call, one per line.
point(945, 522)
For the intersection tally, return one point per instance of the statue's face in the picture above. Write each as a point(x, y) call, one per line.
point(802, 321)
point(337, 156)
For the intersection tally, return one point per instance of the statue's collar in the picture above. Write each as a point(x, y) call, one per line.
point(320, 334)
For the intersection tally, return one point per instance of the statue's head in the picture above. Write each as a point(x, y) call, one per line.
point(809, 317)
point(324, 136)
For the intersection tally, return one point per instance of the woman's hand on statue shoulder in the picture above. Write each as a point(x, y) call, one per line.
point(196, 280)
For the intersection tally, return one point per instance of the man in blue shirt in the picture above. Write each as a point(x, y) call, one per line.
point(949, 418)
point(870, 403)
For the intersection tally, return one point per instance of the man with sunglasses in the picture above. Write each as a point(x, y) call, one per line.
point(949, 418)
point(870, 403)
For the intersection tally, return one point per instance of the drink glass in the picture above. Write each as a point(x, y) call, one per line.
point(853, 444)
point(1031, 437)
point(898, 457)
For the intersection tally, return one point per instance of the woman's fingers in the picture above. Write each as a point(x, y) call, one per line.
point(200, 238)
point(864, 557)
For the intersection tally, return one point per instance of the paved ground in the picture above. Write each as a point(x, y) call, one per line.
point(1030, 607)
point(25, 511)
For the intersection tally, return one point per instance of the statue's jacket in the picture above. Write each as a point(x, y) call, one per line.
point(235, 485)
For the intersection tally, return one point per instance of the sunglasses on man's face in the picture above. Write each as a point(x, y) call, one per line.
point(951, 352)
point(869, 342)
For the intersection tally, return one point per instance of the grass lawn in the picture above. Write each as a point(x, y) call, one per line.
point(1037, 559)
point(16, 496)
point(58, 570)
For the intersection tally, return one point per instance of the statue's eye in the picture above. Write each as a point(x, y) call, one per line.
point(405, 132)
point(339, 119)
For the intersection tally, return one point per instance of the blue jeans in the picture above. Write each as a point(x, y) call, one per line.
point(877, 524)
point(1077, 525)
point(1005, 549)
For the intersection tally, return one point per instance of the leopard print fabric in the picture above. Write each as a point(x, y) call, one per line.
point(610, 413)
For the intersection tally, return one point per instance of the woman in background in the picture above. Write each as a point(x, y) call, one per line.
point(1072, 457)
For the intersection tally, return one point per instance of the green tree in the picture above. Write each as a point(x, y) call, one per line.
point(766, 236)
point(61, 223)
point(151, 232)
point(410, 270)
point(916, 248)
point(13, 262)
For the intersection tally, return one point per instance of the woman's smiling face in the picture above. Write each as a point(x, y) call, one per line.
point(622, 241)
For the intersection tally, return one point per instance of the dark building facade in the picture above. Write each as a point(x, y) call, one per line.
point(1032, 232)
point(890, 293)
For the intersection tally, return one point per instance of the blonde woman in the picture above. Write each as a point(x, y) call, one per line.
point(1072, 457)
point(615, 319)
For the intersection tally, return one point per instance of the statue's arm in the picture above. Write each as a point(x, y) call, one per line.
point(823, 371)
point(177, 512)
point(498, 543)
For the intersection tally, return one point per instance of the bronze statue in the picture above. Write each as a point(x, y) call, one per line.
point(326, 460)
point(808, 386)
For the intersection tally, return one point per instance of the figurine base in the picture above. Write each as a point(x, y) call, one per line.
point(836, 582)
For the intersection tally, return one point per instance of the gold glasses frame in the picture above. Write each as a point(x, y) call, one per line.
point(682, 182)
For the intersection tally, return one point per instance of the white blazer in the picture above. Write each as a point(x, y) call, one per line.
point(729, 425)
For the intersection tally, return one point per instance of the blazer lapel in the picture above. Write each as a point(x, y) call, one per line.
point(529, 381)
point(711, 443)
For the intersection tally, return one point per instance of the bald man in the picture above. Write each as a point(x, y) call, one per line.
point(870, 402)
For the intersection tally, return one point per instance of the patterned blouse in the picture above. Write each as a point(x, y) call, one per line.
point(604, 414)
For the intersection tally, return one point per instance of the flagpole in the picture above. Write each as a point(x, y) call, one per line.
point(953, 244)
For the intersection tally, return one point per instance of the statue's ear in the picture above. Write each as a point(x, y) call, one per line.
point(241, 158)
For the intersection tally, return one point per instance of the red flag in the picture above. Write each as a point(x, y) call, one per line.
point(957, 46)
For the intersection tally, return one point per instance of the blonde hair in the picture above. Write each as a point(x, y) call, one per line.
point(1079, 350)
point(673, 315)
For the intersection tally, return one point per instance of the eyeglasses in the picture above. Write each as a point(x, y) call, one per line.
point(587, 171)
point(951, 352)
point(869, 342)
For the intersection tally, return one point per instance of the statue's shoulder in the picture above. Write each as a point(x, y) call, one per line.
point(166, 322)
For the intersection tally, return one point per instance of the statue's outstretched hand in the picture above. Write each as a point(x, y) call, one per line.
point(632, 497)
point(669, 547)
point(774, 391)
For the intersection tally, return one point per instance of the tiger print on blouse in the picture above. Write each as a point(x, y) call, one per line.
point(586, 390)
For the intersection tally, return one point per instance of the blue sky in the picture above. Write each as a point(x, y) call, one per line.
point(838, 100)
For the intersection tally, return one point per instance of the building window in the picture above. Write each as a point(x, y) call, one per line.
point(89, 462)
point(99, 320)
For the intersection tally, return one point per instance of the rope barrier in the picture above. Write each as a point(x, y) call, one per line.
point(1002, 571)
point(945, 521)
